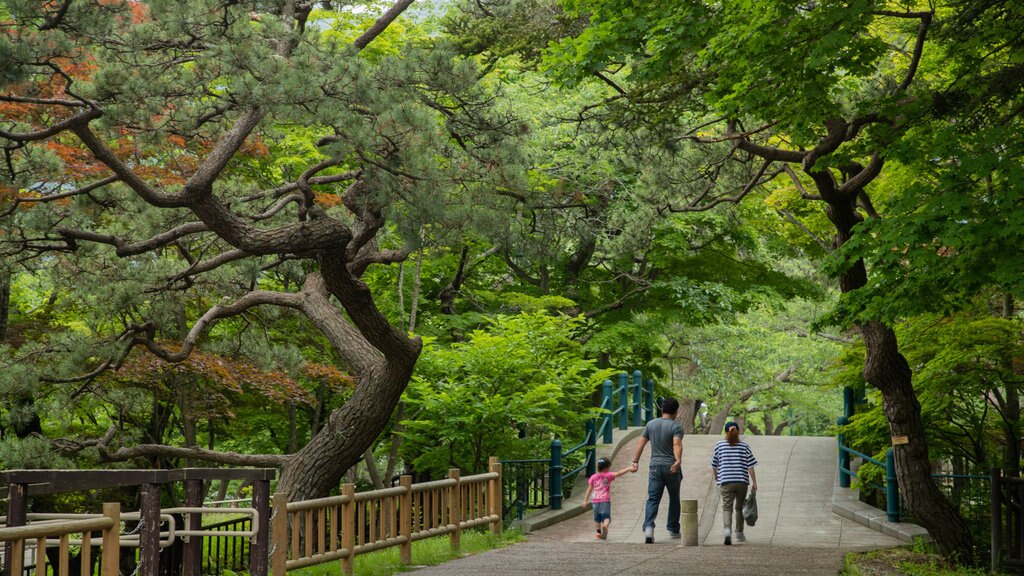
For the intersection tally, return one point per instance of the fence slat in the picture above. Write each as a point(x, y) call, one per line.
point(348, 530)
point(279, 551)
point(494, 508)
point(86, 555)
point(405, 527)
point(63, 553)
point(454, 509)
point(320, 531)
point(41, 557)
point(111, 540)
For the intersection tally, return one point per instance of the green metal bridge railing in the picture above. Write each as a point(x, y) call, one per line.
point(541, 482)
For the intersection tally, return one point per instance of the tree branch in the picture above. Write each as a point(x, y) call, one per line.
point(72, 123)
point(124, 249)
point(756, 181)
point(51, 197)
point(126, 174)
point(149, 450)
point(796, 222)
point(381, 24)
point(915, 59)
point(856, 183)
point(250, 300)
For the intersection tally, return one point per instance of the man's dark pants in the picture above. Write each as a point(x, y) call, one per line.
point(660, 479)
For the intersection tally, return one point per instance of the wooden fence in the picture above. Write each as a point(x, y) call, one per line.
point(341, 527)
point(109, 524)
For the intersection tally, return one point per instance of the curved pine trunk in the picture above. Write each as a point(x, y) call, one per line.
point(379, 354)
point(317, 468)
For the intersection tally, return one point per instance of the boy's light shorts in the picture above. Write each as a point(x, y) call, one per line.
point(602, 511)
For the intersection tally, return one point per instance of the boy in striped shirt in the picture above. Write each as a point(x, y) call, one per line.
point(732, 464)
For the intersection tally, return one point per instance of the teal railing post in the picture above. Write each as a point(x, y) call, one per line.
point(844, 456)
point(848, 406)
point(892, 488)
point(623, 401)
point(555, 480)
point(607, 401)
point(637, 397)
point(649, 399)
point(591, 447)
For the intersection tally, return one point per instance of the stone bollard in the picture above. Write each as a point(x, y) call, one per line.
point(688, 519)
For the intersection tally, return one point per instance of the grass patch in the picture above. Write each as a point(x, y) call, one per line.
point(429, 552)
point(906, 561)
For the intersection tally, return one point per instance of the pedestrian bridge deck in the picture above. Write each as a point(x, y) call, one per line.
point(796, 476)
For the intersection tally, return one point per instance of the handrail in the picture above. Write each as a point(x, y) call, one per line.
point(586, 442)
point(574, 471)
point(862, 455)
point(49, 529)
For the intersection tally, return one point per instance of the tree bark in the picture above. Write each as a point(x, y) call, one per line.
point(886, 369)
point(687, 412)
point(384, 358)
point(372, 470)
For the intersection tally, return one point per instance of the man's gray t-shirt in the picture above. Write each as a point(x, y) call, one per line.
point(659, 433)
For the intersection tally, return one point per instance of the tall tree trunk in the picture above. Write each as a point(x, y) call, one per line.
point(886, 369)
point(372, 469)
point(414, 307)
point(687, 412)
point(1011, 410)
point(5, 300)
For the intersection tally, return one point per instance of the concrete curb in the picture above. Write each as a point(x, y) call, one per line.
point(574, 505)
point(846, 503)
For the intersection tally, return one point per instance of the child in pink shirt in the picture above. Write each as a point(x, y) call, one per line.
point(599, 485)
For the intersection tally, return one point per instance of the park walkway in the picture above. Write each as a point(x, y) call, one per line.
point(797, 532)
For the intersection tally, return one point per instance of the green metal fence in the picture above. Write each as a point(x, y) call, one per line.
point(543, 482)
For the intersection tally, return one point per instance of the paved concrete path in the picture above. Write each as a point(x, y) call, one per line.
point(796, 532)
point(795, 477)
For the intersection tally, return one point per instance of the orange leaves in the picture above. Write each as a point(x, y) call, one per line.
point(327, 199)
point(329, 375)
point(224, 376)
point(254, 147)
point(78, 161)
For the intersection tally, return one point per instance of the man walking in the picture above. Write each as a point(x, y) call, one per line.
point(666, 438)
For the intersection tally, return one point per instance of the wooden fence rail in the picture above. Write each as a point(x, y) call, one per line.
point(109, 524)
point(341, 527)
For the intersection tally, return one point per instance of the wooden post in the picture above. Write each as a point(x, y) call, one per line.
point(192, 554)
point(348, 529)
point(111, 541)
point(149, 534)
point(455, 509)
point(259, 550)
point(62, 567)
point(279, 552)
point(997, 519)
point(494, 496)
point(405, 520)
point(17, 507)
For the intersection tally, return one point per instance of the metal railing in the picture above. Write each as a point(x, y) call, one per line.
point(228, 552)
point(524, 485)
point(631, 403)
point(1007, 521)
point(991, 505)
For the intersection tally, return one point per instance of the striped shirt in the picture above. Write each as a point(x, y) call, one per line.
point(733, 462)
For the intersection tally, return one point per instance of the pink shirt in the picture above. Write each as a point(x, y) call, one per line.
point(602, 482)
